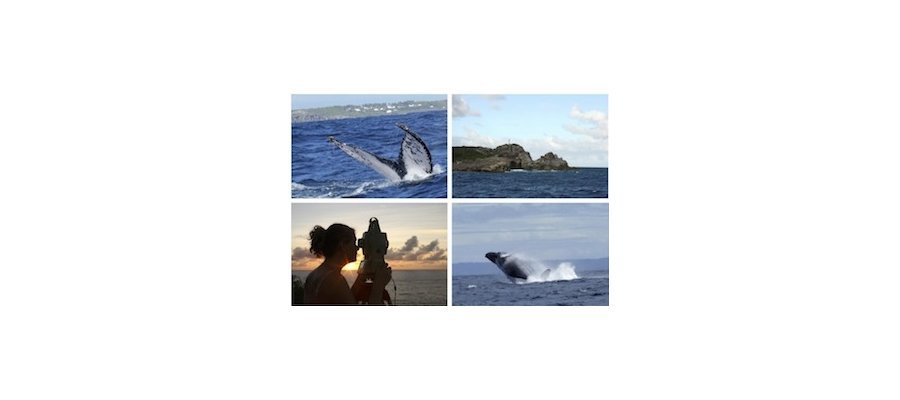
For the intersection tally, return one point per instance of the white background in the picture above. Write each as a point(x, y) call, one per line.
point(144, 153)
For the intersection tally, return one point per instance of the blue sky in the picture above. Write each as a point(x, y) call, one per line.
point(573, 127)
point(300, 101)
point(542, 231)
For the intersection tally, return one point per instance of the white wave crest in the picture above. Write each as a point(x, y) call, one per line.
point(368, 186)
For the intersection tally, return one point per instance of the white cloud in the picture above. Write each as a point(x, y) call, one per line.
point(301, 257)
point(473, 138)
point(412, 251)
point(588, 123)
point(461, 108)
point(596, 116)
point(552, 143)
point(578, 151)
point(588, 147)
point(301, 254)
point(494, 100)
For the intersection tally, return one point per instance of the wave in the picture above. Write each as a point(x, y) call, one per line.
point(320, 169)
point(347, 189)
point(366, 187)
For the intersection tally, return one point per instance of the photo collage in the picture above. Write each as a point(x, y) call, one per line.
point(449, 200)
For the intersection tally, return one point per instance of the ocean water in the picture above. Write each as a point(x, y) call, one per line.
point(591, 288)
point(579, 183)
point(320, 170)
point(414, 287)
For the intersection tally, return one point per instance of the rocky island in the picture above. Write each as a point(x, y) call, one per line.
point(502, 159)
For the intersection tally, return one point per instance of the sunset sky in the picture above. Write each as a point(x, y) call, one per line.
point(417, 233)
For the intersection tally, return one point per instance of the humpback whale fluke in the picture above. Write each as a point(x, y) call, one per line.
point(414, 161)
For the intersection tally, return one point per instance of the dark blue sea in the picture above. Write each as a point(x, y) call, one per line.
point(591, 288)
point(319, 169)
point(579, 183)
point(414, 287)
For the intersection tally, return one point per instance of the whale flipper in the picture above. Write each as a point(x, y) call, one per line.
point(546, 275)
point(388, 168)
point(414, 161)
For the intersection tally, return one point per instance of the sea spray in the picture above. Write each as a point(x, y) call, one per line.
point(563, 272)
point(537, 271)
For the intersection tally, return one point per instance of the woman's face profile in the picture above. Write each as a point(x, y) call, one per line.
point(349, 247)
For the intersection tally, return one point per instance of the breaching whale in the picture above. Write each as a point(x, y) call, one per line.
point(514, 269)
point(414, 161)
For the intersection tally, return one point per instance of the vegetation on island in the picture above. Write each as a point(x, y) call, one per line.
point(503, 158)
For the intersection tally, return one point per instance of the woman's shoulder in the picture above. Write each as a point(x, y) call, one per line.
point(333, 277)
point(329, 287)
point(324, 277)
point(314, 277)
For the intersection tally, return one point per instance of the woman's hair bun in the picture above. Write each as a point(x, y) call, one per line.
point(317, 240)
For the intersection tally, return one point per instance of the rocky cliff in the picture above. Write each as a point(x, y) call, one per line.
point(502, 159)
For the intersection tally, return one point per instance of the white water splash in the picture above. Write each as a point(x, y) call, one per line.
point(537, 271)
point(563, 272)
point(420, 175)
point(416, 175)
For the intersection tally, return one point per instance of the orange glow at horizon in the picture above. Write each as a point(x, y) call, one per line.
point(309, 265)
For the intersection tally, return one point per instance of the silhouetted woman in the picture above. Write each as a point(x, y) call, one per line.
point(325, 284)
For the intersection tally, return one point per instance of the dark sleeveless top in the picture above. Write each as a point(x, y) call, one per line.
point(314, 283)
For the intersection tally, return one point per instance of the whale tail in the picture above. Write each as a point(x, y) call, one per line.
point(414, 153)
point(414, 161)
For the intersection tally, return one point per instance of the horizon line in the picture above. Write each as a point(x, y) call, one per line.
point(363, 104)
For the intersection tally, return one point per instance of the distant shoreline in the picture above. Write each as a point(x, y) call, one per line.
point(364, 116)
point(301, 115)
point(534, 170)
